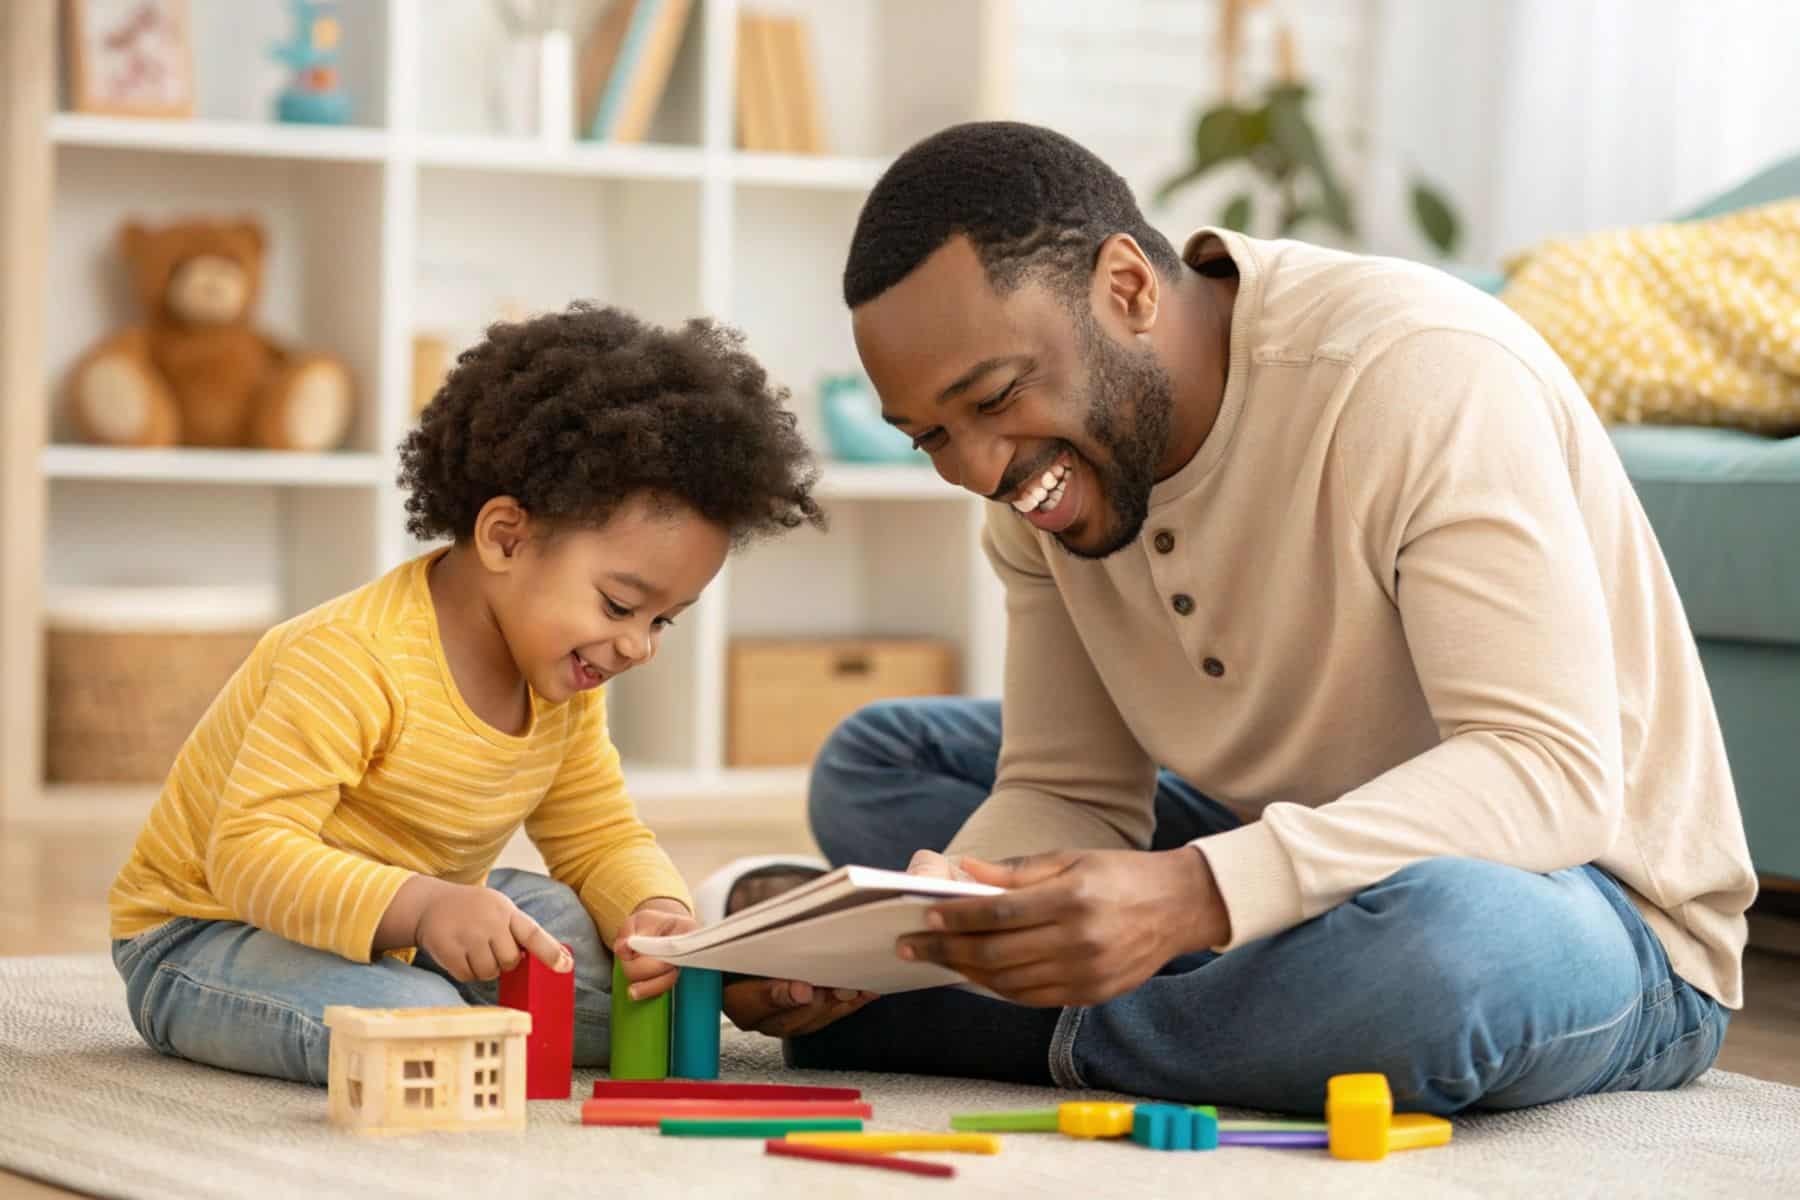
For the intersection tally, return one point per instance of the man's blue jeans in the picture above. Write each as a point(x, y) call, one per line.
point(235, 996)
point(1467, 983)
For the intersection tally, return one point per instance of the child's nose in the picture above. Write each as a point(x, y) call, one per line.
point(632, 648)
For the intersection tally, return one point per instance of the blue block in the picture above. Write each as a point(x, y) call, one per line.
point(694, 1042)
point(1172, 1127)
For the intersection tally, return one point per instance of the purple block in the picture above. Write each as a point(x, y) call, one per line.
point(1285, 1139)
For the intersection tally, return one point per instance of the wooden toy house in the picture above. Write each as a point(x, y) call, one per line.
point(402, 1070)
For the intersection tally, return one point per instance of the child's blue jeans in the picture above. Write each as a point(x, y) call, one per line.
point(234, 996)
point(1468, 983)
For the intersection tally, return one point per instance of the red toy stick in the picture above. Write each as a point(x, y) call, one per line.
point(687, 1089)
point(651, 1112)
point(858, 1158)
point(549, 997)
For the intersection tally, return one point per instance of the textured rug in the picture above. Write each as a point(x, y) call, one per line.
point(84, 1104)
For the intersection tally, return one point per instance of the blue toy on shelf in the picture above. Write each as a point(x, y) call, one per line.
point(315, 95)
point(854, 427)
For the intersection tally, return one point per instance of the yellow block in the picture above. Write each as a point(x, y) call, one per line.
point(1416, 1131)
point(1359, 1109)
point(1086, 1119)
point(890, 1143)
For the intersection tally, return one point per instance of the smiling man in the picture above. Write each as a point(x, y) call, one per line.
point(1336, 543)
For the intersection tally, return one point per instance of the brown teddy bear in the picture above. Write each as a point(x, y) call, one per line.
point(196, 372)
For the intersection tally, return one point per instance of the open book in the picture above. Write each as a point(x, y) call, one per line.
point(837, 930)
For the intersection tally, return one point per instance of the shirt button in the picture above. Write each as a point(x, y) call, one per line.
point(1213, 667)
point(1165, 541)
point(1184, 603)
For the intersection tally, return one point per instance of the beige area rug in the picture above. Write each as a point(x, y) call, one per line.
point(84, 1104)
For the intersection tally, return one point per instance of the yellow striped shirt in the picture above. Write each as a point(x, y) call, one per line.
point(341, 759)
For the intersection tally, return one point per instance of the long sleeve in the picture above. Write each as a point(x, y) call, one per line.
point(1071, 773)
point(1454, 459)
point(329, 709)
point(589, 831)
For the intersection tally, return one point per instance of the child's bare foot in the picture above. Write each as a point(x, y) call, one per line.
point(746, 881)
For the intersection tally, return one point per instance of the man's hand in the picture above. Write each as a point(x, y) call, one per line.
point(786, 1008)
point(478, 933)
point(936, 866)
point(650, 977)
point(1076, 927)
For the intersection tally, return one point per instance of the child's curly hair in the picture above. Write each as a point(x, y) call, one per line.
point(572, 413)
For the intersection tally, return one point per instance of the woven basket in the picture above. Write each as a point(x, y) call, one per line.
point(130, 671)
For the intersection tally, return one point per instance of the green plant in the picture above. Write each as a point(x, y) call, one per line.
point(1278, 141)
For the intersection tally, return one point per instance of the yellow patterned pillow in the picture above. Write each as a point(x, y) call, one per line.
point(1696, 323)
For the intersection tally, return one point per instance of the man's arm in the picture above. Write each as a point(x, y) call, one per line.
point(1071, 773)
point(1452, 453)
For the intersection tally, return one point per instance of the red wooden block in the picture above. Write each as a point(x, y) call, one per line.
point(859, 1158)
point(549, 996)
point(650, 1112)
point(689, 1089)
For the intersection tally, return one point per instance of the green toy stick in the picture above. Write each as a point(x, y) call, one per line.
point(640, 1032)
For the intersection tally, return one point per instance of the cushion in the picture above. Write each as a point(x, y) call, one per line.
point(1724, 505)
point(1693, 323)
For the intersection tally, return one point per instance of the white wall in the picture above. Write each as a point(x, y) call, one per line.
point(1538, 117)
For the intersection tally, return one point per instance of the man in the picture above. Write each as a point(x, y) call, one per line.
point(1336, 543)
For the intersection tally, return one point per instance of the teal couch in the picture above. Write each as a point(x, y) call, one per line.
point(1726, 508)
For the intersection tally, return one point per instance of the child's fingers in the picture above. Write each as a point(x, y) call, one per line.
point(655, 985)
point(534, 941)
point(639, 967)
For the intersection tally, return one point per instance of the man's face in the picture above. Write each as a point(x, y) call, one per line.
point(1020, 400)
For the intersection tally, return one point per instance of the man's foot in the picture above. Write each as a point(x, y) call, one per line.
point(746, 881)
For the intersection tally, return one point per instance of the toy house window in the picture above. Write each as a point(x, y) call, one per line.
point(484, 1079)
point(353, 1078)
point(420, 1077)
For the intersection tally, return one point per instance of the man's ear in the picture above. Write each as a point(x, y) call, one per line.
point(1126, 286)
point(502, 528)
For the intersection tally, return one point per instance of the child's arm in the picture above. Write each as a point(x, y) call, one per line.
point(329, 709)
point(589, 832)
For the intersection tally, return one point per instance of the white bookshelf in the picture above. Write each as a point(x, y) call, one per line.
point(421, 219)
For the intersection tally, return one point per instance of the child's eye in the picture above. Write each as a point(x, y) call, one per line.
point(616, 610)
point(664, 622)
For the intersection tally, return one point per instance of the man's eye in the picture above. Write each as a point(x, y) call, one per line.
point(930, 439)
point(994, 404)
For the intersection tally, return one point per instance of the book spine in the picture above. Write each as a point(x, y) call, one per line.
point(612, 99)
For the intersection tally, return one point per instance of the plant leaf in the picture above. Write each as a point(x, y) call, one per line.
point(1436, 218)
point(1223, 134)
point(1237, 214)
point(1301, 215)
point(1292, 130)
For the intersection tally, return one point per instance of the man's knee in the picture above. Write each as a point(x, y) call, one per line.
point(876, 737)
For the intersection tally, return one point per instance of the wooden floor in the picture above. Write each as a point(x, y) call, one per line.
point(53, 883)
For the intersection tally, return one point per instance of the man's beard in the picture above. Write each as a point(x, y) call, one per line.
point(1130, 399)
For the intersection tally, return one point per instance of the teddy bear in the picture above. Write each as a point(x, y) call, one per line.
point(196, 372)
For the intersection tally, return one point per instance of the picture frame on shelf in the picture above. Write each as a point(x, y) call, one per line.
point(130, 58)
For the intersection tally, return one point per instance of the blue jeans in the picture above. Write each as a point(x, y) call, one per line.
point(235, 996)
point(1468, 983)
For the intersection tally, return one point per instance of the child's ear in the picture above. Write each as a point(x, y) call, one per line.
point(502, 528)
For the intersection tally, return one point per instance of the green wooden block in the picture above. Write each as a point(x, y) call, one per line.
point(1025, 1120)
point(756, 1127)
point(1210, 1110)
point(640, 1032)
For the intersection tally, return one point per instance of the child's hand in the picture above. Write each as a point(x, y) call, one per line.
point(478, 933)
point(653, 918)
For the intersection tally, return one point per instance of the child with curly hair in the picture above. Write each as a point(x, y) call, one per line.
point(328, 832)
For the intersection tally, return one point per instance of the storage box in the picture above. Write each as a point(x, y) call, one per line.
point(131, 670)
point(786, 696)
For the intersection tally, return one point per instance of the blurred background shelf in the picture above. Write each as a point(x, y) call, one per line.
point(247, 467)
point(198, 135)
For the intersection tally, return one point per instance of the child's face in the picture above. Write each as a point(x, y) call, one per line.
point(584, 605)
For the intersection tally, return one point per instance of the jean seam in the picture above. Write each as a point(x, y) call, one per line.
point(1516, 1052)
point(1062, 1049)
point(311, 1024)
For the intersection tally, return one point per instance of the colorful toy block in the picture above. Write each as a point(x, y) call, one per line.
point(1085, 1119)
point(698, 1003)
point(759, 1127)
point(1173, 1127)
point(549, 996)
point(640, 1032)
point(889, 1143)
point(651, 1113)
point(860, 1158)
point(1359, 1109)
point(1027, 1120)
point(671, 1089)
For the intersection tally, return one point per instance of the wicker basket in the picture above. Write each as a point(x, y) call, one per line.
point(130, 671)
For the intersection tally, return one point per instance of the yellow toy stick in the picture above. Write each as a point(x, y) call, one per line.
point(1085, 1119)
point(889, 1143)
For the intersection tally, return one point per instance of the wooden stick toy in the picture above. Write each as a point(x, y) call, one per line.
point(861, 1158)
